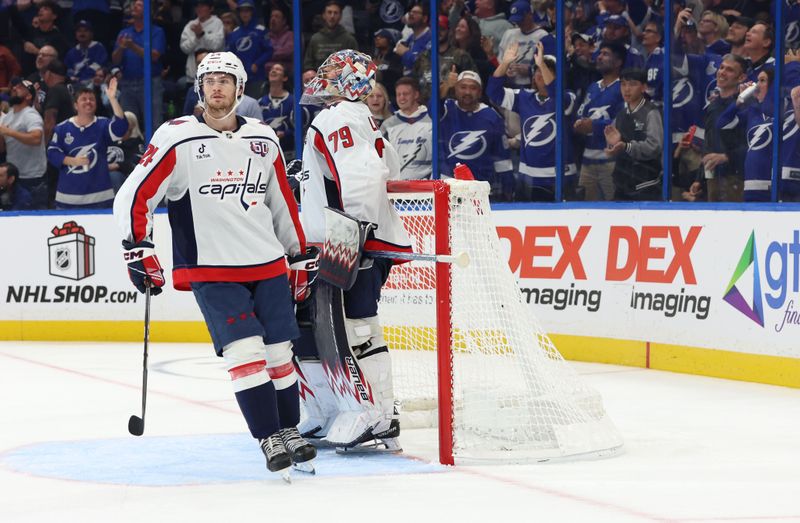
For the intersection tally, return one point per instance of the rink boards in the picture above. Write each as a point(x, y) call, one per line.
point(712, 292)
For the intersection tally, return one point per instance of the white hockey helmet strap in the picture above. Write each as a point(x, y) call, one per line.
point(222, 62)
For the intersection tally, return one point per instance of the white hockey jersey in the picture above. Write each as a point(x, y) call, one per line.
point(232, 213)
point(348, 163)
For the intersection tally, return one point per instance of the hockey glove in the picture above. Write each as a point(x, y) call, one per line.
point(144, 268)
point(303, 270)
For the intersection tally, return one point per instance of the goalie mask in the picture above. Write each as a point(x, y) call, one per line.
point(224, 62)
point(345, 74)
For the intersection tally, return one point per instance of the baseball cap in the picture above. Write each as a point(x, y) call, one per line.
point(28, 85)
point(205, 2)
point(57, 67)
point(518, 11)
point(389, 34)
point(84, 23)
point(582, 36)
point(470, 75)
point(245, 3)
point(745, 21)
point(617, 20)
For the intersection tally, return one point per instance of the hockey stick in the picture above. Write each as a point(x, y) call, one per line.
point(461, 259)
point(135, 423)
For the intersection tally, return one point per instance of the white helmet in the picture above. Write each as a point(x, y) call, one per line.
point(224, 62)
point(345, 74)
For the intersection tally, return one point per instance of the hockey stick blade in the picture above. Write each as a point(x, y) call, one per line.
point(136, 425)
point(460, 259)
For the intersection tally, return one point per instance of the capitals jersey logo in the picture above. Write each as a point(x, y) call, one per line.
point(87, 151)
point(467, 145)
point(759, 136)
point(241, 183)
point(540, 130)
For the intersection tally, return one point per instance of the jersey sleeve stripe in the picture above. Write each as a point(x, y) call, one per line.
point(146, 191)
point(288, 195)
point(319, 143)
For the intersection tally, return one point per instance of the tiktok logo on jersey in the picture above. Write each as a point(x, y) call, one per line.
point(86, 151)
point(540, 130)
point(200, 152)
point(759, 136)
point(227, 183)
point(467, 145)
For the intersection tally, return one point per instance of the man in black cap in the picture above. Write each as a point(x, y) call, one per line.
point(737, 32)
point(87, 56)
point(56, 108)
point(635, 140)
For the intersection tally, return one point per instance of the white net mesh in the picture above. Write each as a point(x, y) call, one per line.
point(514, 396)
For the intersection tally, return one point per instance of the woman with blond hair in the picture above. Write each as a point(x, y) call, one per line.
point(124, 154)
point(379, 104)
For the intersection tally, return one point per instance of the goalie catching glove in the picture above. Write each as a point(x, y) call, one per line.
point(303, 270)
point(144, 268)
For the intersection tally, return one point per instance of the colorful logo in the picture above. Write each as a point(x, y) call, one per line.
point(732, 294)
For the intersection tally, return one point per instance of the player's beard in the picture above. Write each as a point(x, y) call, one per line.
point(217, 109)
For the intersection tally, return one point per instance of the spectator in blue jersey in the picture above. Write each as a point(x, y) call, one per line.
point(129, 56)
point(755, 114)
point(536, 107)
point(652, 38)
point(790, 152)
point(758, 44)
point(635, 140)
point(86, 57)
point(13, 196)
point(277, 109)
point(420, 38)
point(599, 108)
point(473, 133)
point(252, 45)
point(79, 148)
point(712, 28)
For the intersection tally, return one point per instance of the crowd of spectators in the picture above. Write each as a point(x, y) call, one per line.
point(497, 67)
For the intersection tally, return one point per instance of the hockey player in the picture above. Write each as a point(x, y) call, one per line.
point(347, 163)
point(79, 149)
point(233, 218)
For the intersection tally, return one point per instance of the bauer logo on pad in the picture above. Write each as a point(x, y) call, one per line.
point(71, 252)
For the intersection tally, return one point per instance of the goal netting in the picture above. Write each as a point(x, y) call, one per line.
point(465, 344)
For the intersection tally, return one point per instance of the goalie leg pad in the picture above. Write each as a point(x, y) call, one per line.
point(252, 386)
point(318, 406)
point(373, 357)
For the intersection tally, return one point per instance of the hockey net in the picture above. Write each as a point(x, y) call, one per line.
point(465, 345)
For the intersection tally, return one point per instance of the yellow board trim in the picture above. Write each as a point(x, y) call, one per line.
point(758, 368)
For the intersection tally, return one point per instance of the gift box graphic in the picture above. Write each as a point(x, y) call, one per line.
point(71, 252)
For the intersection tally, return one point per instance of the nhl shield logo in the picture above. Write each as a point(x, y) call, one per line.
point(62, 259)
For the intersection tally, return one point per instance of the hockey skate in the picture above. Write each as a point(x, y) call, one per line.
point(301, 451)
point(278, 458)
